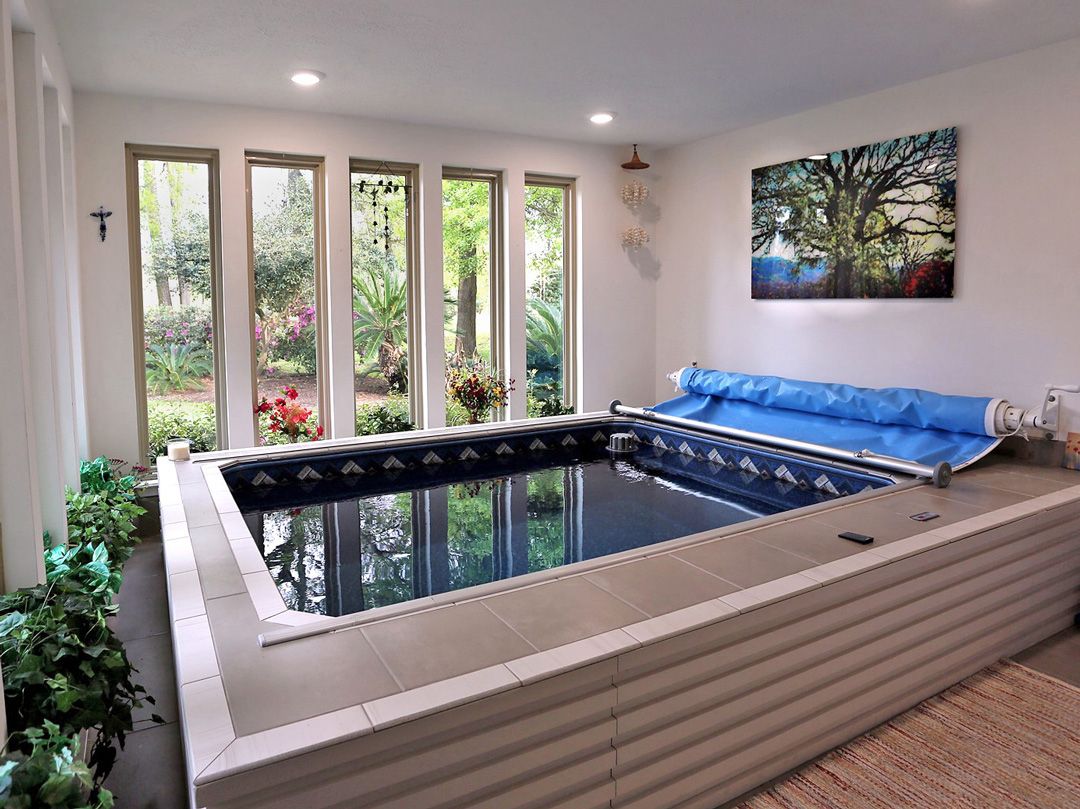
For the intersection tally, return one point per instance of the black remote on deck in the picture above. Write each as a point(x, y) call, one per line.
point(862, 539)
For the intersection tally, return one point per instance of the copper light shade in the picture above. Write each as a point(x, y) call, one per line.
point(635, 162)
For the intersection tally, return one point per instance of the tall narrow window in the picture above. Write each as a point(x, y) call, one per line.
point(172, 194)
point(549, 296)
point(384, 289)
point(471, 276)
point(286, 232)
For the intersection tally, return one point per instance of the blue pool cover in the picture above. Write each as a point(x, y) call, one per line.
point(908, 423)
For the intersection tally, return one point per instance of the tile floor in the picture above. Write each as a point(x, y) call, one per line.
point(149, 772)
point(1058, 656)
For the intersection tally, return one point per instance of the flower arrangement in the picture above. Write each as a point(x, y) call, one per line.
point(289, 419)
point(471, 385)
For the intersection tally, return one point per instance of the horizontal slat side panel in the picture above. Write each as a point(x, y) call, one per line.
point(441, 745)
point(538, 792)
point(443, 763)
point(686, 772)
point(502, 775)
point(597, 797)
point(705, 650)
point(861, 639)
point(843, 732)
point(726, 715)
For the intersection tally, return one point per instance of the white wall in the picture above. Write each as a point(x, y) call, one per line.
point(1012, 326)
point(41, 436)
point(617, 301)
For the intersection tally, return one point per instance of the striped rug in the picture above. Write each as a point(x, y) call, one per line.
point(1005, 737)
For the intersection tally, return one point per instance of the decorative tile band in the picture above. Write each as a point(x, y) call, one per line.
point(789, 482)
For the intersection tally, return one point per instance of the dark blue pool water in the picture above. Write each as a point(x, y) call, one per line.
point(341, 546)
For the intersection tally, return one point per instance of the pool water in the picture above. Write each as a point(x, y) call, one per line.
point(334, 555)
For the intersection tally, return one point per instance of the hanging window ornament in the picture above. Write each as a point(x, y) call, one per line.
point(635, 237)
point(634, 194)
point(385, 187)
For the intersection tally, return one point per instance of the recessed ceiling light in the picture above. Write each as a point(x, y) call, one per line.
point(307, 78)
point(818, 157)
point(602, 117)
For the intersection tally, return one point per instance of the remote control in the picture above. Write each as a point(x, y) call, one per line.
point(862, 539)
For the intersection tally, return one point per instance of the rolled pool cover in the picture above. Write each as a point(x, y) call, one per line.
point(908, 423)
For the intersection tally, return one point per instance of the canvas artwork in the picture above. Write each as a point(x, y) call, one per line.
point(876, 221)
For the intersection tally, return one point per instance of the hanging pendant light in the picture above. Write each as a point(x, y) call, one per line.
point(635, 163)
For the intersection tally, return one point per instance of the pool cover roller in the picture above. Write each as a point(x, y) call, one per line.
point(909, 423)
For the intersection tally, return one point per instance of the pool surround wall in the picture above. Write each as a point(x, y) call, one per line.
point(663, 703)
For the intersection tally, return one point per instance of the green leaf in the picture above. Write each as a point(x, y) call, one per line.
point(11, 622)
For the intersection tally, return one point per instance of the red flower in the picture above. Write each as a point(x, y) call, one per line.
point(290, 392)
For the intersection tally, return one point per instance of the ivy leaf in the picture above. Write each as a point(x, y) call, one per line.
point(11, 622)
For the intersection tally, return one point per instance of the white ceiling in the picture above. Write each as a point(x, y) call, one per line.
point(673, 70)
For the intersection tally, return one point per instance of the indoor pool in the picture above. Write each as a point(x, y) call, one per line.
point(342, 533)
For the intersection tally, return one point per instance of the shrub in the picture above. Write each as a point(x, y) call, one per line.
point(194, 421)
point(177, 367)
point(63, 664)
point(289, 336)
point(180, 325)
point(390, 416)
point(102, 475)
point(97, 517)
point(84, 569)
point(551, 406)
point(104, 512)
point(50, 774)
point(64, 669)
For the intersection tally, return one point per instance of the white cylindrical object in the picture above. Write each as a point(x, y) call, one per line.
point(178, 449)
point(1009, 419)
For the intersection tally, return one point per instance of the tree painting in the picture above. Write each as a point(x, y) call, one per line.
point(875, 221)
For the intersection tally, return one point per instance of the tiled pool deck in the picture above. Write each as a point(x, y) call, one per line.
point(245, 704)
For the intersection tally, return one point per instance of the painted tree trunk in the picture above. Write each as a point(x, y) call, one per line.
point(843, 278)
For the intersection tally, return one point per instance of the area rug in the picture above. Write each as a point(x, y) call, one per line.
point(1005, 737)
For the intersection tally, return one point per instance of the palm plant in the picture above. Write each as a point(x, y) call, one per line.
point(177, 367)
point(380, 318)
point(544, 329)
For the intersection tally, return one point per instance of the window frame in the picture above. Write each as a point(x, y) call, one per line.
point(570, 278)
point(497, 272)
point(413, 275)
point(133, 154)
point(317, 166)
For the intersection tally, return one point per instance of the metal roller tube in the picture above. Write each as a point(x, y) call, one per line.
point(940, 474)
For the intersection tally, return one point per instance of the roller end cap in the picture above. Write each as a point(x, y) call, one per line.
point(942, 475)
point(612, 407)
